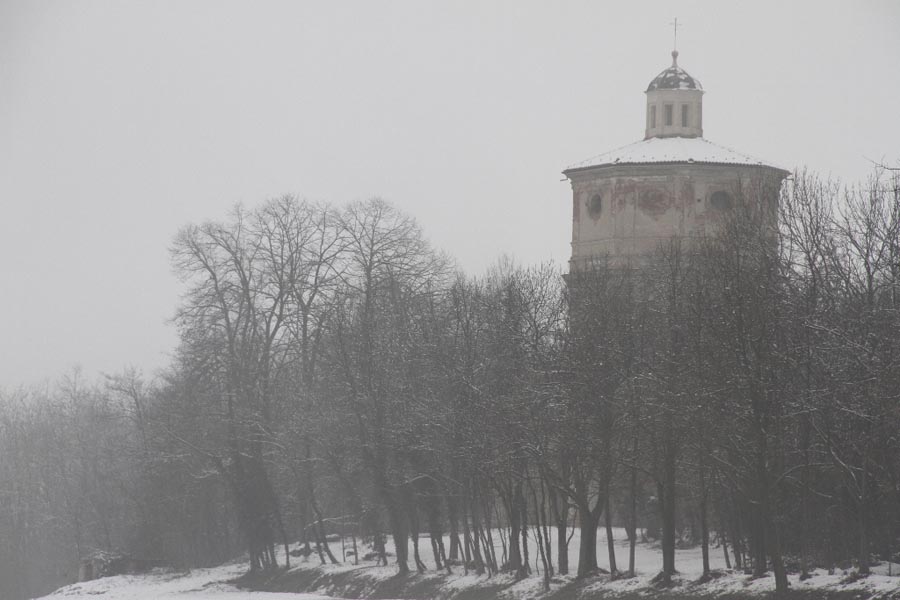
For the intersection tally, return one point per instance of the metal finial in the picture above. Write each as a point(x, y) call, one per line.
point(675, 36)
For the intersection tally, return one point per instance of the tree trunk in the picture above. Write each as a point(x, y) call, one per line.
point(514, 515)
point(781, 580)
point(398, 528)
point(863, 509)
point(587, 549)
point(736, 535)
point(559, 506)
point(452, 517)
point(723, 538)
point(544, 527)
point(704, 527)
point(523, 506)
point(632, 516)
point(610, 542)
point(666, 493)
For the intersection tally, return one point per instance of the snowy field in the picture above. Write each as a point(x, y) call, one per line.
point(199, 584)
point(211, 584)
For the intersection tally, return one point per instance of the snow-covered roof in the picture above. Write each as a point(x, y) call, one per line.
point(674, 78)
point(657, 150)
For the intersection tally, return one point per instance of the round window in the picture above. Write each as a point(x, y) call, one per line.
point(595, 206)
point(720, 201)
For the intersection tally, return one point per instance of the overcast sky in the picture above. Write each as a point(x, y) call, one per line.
point(122, 121)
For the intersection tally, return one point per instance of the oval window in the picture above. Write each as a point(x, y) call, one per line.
point(595, 206)
point(720, 201)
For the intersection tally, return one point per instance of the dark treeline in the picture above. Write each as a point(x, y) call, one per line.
point(337, 375)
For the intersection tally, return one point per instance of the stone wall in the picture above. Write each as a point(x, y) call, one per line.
point(625, 212)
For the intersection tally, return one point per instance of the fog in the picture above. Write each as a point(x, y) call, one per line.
point(120, 122)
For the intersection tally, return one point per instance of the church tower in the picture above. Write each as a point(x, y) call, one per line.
point(673, 183)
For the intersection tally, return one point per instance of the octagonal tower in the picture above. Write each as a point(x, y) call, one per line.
point(673, 183)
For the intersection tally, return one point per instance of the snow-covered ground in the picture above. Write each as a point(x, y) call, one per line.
point(211, 584)
point(199, 584)
point(648, 562)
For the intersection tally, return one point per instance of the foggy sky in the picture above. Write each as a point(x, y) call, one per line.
point(120, 122)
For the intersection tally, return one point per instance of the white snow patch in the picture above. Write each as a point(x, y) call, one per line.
point(199, 584)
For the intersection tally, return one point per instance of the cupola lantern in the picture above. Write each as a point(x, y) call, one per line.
point(674, 104)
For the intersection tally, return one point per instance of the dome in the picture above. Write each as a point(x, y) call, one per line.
point(674, 78)
point(671, 150)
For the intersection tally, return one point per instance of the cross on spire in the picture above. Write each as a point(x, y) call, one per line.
point(675, 38)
